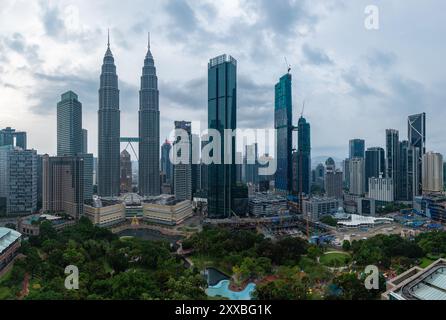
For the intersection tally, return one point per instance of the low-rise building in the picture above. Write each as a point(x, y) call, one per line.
point(316, 207)
point(104, 213)
point(166, 209)
point(9, 246)
point(30, 225)
point(419, 284)
point(266, 204)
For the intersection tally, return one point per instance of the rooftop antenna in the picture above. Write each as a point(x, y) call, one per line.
point(287, 65)
point(108, 37)
point(148, 40)
point(303, 109)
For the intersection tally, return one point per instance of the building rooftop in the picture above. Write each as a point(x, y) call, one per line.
point(357, 220)
point(420, 284)
point(7, 237)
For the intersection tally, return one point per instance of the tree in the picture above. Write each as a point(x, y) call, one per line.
point(346, 245)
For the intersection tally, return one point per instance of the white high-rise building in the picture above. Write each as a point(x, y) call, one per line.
point(432, 172)
point(381, 189)
point(357, 176)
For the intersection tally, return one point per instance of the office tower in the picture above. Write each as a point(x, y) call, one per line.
point(416, 134)
point(39, 181)
point(88, 175)
point(84, 141)
point(166, 164)
point(108, 128)
point(356, 148)
point(381, 189)
point(330, 165)
point(251, 164)
point(375, 164)
point(357, 176)
point(222, 114)
point(432, 167)
point(303, 156)
point(346, 172)
point(283, 123)
point(69, 125)
point(126, 172)
point(183, 171)
point(149, 129)
point(195, 163)
point(318, 175)
point(11, 137)
point(444, 173)
point(18, 180)
point(95, 171)
point(63, 180)
point(408, 182)
point(333, 184)
point(72, 139)
point(393, 159)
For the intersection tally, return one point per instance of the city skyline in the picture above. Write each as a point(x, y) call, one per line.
point(338, 85)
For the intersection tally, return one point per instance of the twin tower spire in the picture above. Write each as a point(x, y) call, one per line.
point(109, 128)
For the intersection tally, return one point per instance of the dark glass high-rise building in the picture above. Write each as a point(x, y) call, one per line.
point(375, 165)
point(108, 129)
point(222, 114)
point(393, 159)
point(303, 156)
point(356, 148)
point(408, 181)
point(166, 164)
point(283, 123)
point(11, 137)
point(69, 125)
point(416, 134)
point(149, 129)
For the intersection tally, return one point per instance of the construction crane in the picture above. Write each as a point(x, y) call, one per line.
point(287, 65)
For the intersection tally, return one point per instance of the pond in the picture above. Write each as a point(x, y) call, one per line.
point(222, 290)
point(218, 286)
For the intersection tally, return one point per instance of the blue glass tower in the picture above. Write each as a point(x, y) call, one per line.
point(303, 157)
point(222, 114)
point(283, 125)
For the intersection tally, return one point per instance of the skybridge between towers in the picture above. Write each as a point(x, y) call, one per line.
point(129, 141)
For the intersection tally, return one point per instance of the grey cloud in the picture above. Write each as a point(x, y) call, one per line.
point(18, 44)
point(360, 88)
point(316, 56)
point(381, 59)
point(51, 19)
point(53, 85)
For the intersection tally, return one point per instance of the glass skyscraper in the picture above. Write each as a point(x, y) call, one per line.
point(69, 125)
point(416, 127)
point(393, 159)
point(222, 114)
point(303, 156)
point(375, 165)
point(356, 148)
point(166, 164)
point(108, 129)
point(283, 124)
point(11, 137)
point(149, 129)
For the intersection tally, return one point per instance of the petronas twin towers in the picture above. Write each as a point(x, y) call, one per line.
point(109, 129)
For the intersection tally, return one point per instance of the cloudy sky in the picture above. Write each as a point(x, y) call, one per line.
point(356, 82)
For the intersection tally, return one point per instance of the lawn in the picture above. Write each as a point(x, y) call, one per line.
point(335, 259)
point(425, 262)
point(5, 293)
